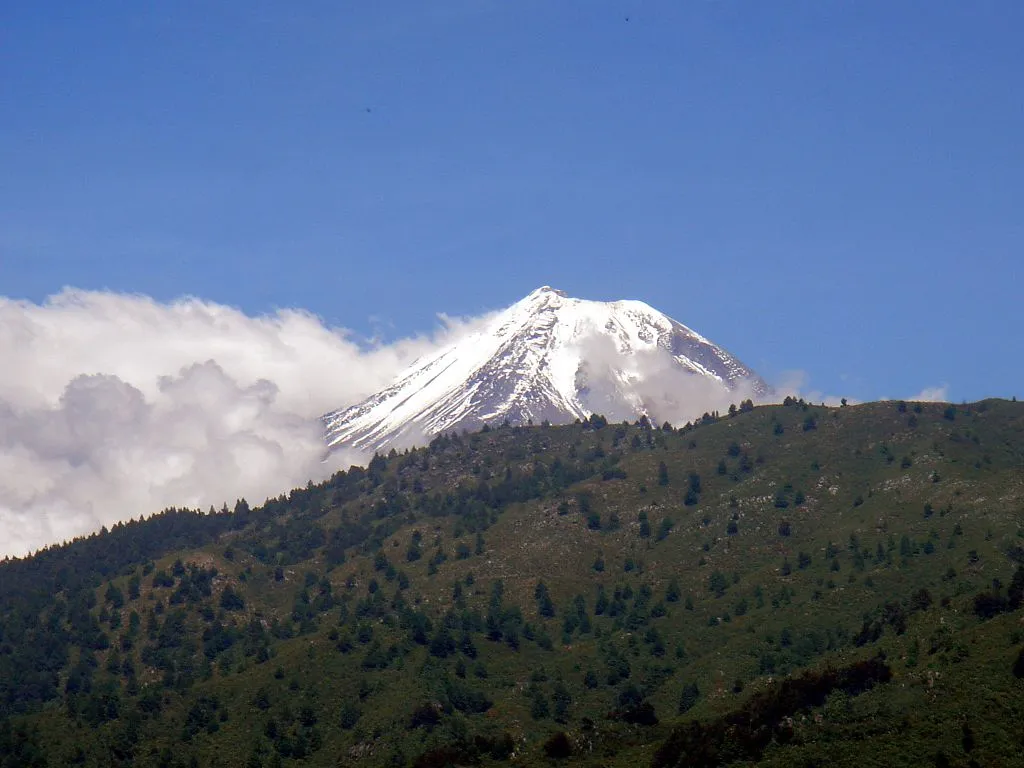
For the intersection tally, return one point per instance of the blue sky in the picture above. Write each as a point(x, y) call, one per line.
point(827, 186)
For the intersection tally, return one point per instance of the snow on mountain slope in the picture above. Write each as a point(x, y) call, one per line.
point(549, 357)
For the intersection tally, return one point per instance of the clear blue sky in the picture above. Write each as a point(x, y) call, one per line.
point(828, 185)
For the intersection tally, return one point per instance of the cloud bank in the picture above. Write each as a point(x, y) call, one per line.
point(113, 407)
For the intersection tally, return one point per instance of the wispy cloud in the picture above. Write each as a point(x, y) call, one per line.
point(796, 383)
point(939, 394)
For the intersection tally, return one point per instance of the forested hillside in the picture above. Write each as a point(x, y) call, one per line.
point(780, 585)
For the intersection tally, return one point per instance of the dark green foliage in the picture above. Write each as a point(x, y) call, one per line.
point(989, 604)
point(545, 606)
point(562, 700)
point(601, 604)
point(672, 591)
point(763, 718)
point(539, 707)
point(442, 644)
point(231, 600)
point(967, 738)
point(688, 697)
point(583, 503)
point(465, 698)
point(558, 747)
point(717, 583)
point(426, 715)
point(149, 657)
point(262, 699)
point(632, 706)
point(1015, 594)
point(202, 716)
point(20, 747)
point(693, 489)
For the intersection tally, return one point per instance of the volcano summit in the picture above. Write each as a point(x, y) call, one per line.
point(555, 358)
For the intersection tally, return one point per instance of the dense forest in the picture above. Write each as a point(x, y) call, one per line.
point(780, 585)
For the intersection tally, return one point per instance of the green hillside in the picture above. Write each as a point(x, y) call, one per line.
point(787, 585)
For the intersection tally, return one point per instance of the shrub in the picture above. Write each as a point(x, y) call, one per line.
point(231, 600)
point(717, 583)
point(558, 747)
point(688, 698)
point(634, 708)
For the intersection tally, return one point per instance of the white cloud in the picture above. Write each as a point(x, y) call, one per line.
point(662, 388)
point(796, 383)
point(113, 407)
point(138, 340)
point(938, 394)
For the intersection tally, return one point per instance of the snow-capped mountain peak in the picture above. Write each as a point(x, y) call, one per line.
point(547, 357)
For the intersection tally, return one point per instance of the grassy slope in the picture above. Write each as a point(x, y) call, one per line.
point(948, 667)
